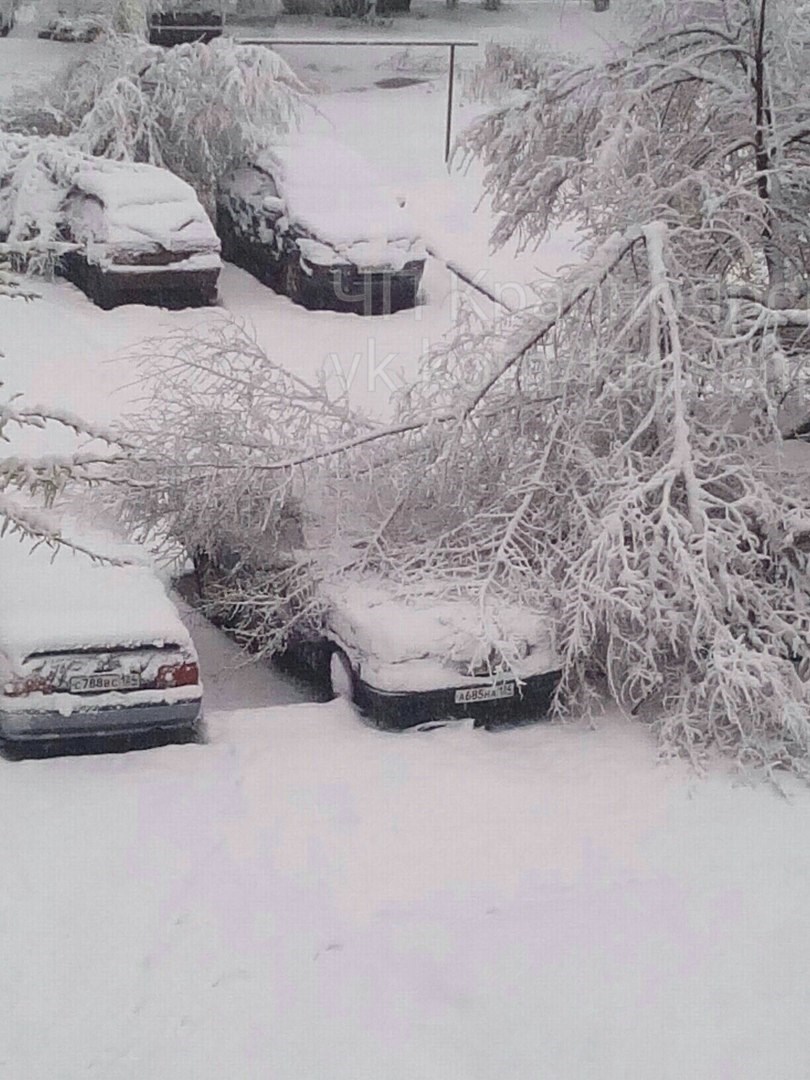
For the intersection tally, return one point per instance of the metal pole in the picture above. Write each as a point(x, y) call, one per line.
point(377, 43)
point(384, 44)
point(450, 80)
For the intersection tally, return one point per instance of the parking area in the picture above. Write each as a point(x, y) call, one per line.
point(307, 898)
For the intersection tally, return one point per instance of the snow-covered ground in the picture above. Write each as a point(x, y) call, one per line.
point(306, 898)
point(402, 131)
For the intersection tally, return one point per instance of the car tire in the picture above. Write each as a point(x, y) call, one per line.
point(98, 289)
point(342, 682)
point(293, 280)
point(196, 733)
point(227, 237)
point(199, 731)
point(404, 296)
point(104, 299)
point(11, 750)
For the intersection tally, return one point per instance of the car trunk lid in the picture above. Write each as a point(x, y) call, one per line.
point(90, 671)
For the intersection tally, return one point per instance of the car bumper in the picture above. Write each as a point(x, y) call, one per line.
point(369, 292)
point(196, 286)
point(135, 285)
point(181, 27)
point(34, 724)
point(404, 709)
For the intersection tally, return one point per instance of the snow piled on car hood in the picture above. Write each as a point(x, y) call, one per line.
point(426, 642)
point(147, 204)
point(145, 207)
point(336, 195)
point(66, 601)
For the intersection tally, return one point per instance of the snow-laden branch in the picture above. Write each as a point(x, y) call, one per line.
point(598, 268)
point(44, 477)
point(17, 517)
point(701, 124)
point(196, 109)
point(39, 416)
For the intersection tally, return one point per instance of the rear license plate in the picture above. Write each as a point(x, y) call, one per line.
point(485, 693)
point(82, 684)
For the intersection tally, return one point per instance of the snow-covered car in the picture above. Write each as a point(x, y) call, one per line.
point(77, 29)
point(142, 235)
point(181, 25)
point(8, 11)
point(408, 660)
point(90, 649)
point(313, 220)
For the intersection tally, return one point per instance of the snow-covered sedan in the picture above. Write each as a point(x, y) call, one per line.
point(313, 220)
point(407, 660)
point(90, 649)
point(142, 235)
point(74, 28)
point(170, 24)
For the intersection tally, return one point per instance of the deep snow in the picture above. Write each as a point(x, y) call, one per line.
point(306, 898)
point(346, 205)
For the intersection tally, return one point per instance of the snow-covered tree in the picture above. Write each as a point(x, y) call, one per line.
point(580, 467)
point(619, 455)
point(613, 450)
point(702, 122)
point(215, 410)
point(35, 174)
point(197, 109)
point(600, 459)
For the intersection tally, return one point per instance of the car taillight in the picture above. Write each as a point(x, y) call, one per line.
point(185, 674)
point(21, 686)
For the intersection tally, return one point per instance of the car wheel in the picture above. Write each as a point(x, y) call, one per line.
point(197, 733)
point(11, 751)
point(98, 289)
point(341, 676)
point(226, 237)
point(293, 280)
point(200, 731)
point(404, 296)
point(104, 299)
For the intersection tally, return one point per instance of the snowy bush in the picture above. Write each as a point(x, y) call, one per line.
point(35, 174)
point(197, 109)
point(507, 68)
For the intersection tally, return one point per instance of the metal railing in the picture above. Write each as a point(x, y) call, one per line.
point(383, 43)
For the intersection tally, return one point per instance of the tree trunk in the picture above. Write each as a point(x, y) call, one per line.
point(763, 159)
